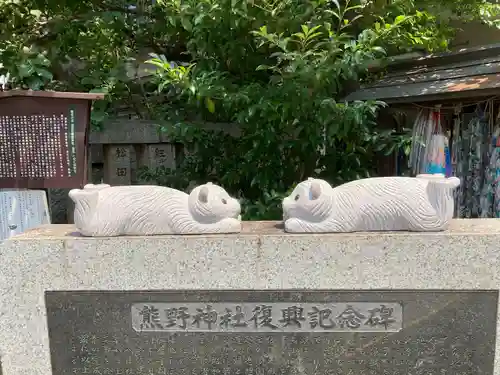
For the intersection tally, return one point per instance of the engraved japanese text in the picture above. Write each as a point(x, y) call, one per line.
point(267, 317)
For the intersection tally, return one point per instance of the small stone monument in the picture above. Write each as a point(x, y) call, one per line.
point(419, 204)
point(22, 209)
point(102, 210)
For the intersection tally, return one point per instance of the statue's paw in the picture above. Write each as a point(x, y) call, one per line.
point(230, 225)
point(294, 225)
point(431, 176)
point(77, 194)
point(93, 232)
point(74, 193)
point(96, 187)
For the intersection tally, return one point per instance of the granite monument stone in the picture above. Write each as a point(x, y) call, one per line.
point(272, 332)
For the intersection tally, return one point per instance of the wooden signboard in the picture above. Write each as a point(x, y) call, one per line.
point(43, 138)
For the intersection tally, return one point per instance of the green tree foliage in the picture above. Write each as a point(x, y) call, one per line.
point(272, 71)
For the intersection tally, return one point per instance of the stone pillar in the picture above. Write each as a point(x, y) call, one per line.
point(117, 164)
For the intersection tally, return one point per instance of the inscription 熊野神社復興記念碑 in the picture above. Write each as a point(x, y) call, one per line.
point(267, 317)
point(272, 332)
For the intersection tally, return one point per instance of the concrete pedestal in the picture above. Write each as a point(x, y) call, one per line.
point(53, 257)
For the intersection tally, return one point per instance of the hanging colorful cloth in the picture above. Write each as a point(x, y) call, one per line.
point(463, 172)
point(457, 155)
point(478, 145)
point(495, 163)
point(418, 142)
point(471, 146)
point(490, 180)
point(447, 155)
point(436, 156)
point(487, 194)
point(491, 190)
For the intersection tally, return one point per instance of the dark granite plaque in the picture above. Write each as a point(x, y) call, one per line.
point(231, 332)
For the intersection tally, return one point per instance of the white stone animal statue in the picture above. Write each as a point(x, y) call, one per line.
point(105, 211)
point(421, 204)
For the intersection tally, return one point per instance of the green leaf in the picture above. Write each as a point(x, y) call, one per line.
point(26, 70)
point(35, 83)
point(336, 14)
point(199, 18)
point(379, 49)
point(186, 23)
point(161, 86)
point(354, 19)
point(42, 60)
point(44, 73)
point(262, 31)
point(353, 7)
point(399, 19)
point(210, 105)
point(156, 63)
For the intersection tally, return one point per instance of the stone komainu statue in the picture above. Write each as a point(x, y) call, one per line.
point(102, 210)
point(422, 204)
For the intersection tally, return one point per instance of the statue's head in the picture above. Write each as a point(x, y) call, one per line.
point(309, 201)
point(211, 203)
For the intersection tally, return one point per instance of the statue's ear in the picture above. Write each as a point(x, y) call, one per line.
point(314, 191)
point(203, 194)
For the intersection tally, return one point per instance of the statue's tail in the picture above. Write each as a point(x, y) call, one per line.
point(440, 190)
point(85, 203)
